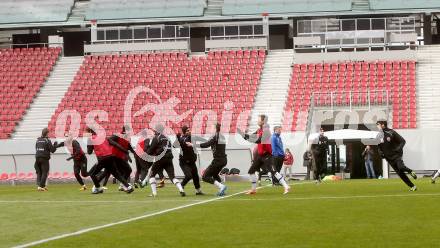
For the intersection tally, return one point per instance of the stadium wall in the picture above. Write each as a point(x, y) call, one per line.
point(311, 57)
point(420, 152)
point(239, 155)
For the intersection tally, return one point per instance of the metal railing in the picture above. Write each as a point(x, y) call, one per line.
point(238, 37)
point(151, 32)
point(34, 45)
point(149, 40)
point(114, 48)
point(310, 115)
point(323, 26)
point(351, 99)
point(236, 30)
point(31, 45)
point(359, 32)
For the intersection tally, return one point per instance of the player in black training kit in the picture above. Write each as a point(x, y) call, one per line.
point(320, 151)
point(79, 159)
point(391, 148)
point(142, 165)
point(187, 159)
point(44, 148)
point(219, 161)
point(162, 150)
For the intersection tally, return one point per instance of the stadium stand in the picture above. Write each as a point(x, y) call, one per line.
point(248, 7)
point(403, 4)
point(12, 11)
point(201, 83)
point(22, 73)
point(116, 9)
point(395, 77)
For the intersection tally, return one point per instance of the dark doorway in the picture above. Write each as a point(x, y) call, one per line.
point(74, 42)
point(198, 37)
point(436, 37)
point(25, 39)
point(354, 164)
point(356, 161)
point(279, 37)
point(357, 165)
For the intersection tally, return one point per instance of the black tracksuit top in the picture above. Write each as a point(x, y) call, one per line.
point(391, 146)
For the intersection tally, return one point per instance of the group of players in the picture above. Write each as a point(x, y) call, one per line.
point(154, 156)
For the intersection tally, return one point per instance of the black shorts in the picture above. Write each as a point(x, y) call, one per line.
point(80, 166)
point(212, 172)
point(163, 164)
point(262, 163)
point(278, 163)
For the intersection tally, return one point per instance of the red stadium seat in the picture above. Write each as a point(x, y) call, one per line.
point(207, 82)
point(30, 176)
point(4, 177)
point(23, 76)
point(66, 175)
point(358, 78)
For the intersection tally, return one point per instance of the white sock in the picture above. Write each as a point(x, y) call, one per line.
point(218, 184)
point(436, 175)
point(253, 181)
point(281, 180)
point(153, 185)
point(146, 180)
point(178, 185)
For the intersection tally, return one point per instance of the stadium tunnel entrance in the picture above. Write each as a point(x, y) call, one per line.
point(347, 157)
point(345, 154)
point(280, 37)
point(198, 37)
point(74, 42)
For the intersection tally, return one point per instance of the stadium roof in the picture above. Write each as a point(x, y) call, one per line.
point(232, 11)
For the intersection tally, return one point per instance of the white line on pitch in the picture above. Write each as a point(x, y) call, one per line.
point(86, 230)
point(333, 197)
point(115, 201)
point(91, 201)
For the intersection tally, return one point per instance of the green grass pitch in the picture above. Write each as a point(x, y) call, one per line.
point(350, 213)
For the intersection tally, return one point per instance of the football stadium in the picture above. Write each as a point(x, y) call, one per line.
point(219, 123)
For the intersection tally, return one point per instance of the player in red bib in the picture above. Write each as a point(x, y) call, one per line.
point(121, 156)
point(264, 159)
point(106, 160)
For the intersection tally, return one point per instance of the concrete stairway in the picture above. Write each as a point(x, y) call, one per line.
point(78, 13)
point(360, 5)
point(428, 87)
point(46, 102)
point(273, 89)
point(214, 8)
